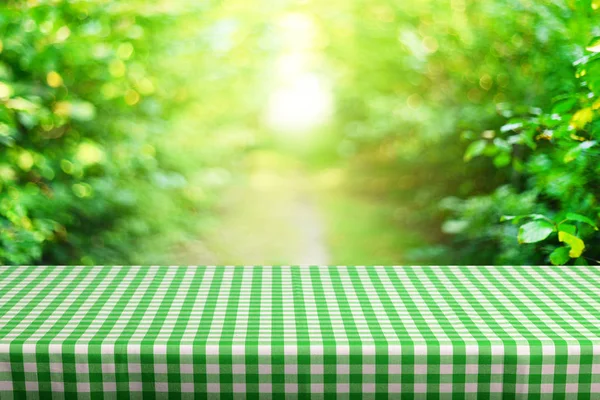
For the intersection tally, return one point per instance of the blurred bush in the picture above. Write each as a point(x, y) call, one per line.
point(554, 156)
point(546, 209)
point(79, 104)
point(101, 131)
point(425, 89)
point(120, 121)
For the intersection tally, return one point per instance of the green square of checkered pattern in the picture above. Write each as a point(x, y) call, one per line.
point(308, 332)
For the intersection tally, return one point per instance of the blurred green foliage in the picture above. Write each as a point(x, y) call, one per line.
point(510, 87)
point(472, 126)
point(96, 103)
point(553, 153)
point(79, 104)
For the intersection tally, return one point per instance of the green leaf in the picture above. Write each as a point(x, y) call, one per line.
point(527, 139)
point(502, 145)
point(574, 152)
point(569, 228)
point(559, 256)
point(517, 218)
point(511, 127)
point(535, 231)
point(581, 218)
point(581, 261)
point(594, 45)
point(475, 149)
point(573, 242)
point(502, 160)
point(564, 105)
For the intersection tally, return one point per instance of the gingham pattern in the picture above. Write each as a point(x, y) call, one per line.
point(308, 332)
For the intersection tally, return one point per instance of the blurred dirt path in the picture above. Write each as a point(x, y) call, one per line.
point(269, 219)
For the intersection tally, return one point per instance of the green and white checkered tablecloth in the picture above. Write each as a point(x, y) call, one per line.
point(306, 332)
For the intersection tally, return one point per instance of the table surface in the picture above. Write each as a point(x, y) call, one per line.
point(300, 330)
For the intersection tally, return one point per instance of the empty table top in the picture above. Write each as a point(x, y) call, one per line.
point(314, 331)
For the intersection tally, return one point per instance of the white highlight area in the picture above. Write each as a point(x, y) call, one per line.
point(299, 105)
point(300, 98)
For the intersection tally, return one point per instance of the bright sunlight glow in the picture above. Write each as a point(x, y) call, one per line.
point(300, 99)
point(302, 104)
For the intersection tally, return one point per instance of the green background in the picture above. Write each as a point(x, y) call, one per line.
point(458, 132)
